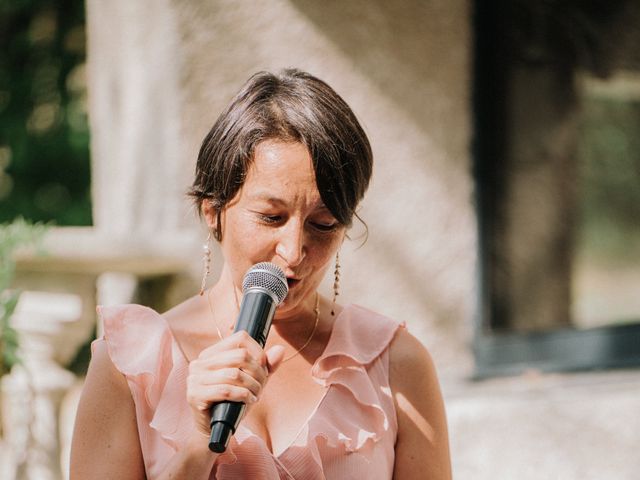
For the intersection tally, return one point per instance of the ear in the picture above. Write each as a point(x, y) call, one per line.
point(209, 212)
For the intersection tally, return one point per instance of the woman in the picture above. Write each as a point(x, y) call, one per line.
point(337, 392)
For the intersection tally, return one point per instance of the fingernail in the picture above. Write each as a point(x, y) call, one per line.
point(253, 399)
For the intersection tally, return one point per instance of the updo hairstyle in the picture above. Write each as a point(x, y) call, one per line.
point(292, 106)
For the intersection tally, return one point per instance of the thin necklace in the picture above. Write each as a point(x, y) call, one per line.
point(212, 315)
point(315, 325)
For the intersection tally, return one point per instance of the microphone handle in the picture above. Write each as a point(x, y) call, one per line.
point(256, 312)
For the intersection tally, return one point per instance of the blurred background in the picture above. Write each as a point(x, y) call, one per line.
point(504, 213)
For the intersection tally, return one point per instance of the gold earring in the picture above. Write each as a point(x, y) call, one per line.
point(336, 284)
point(206, 263)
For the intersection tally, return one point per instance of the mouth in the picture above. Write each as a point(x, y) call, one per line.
point(292, 282)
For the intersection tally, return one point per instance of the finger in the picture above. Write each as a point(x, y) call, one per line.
point(275, 356)
point(227, 376)
point(239, 358)
point(243, 339)
point(239, 339)
point(204, 397)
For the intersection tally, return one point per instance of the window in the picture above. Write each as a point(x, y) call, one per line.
point(557, 168)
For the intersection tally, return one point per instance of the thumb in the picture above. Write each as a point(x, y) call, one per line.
point(275, 355)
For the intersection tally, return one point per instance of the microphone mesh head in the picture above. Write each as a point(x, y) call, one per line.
point(269, 277)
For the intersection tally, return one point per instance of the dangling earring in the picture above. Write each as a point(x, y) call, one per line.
point(336, 284)
point(206, 263)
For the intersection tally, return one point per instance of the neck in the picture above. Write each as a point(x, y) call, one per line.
point(297, 329)
point(224, 300)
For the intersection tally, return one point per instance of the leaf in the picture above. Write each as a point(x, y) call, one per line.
point(14, 236)
point(9, 304)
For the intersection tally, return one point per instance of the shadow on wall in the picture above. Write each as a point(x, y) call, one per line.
point(400, 264)
point(403, 47)
point(416, 54)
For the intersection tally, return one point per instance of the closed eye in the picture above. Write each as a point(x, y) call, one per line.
point(269, 219)
point(323, 227)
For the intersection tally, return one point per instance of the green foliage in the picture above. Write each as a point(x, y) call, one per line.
point(44, 134)
point(609, 148)
point(14, 237)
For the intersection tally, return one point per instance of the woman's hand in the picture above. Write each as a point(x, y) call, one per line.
point(234, 369)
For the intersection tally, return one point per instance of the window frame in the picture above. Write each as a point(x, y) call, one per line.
point(498, 351)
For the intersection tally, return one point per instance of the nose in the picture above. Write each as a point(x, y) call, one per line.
point(290, 245)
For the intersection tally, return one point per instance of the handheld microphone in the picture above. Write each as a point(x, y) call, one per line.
point(264, 287)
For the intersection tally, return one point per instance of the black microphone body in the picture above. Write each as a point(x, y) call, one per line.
point(256, 313)
point(257, 309)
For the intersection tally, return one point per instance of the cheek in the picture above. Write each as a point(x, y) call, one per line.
point(242, 248)
point(323, 252)
point(244, 239)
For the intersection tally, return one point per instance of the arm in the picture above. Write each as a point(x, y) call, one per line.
point(422, 446)
point(105, 439)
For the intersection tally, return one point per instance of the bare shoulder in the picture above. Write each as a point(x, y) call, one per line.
point(422, 445)
point(405, 349)
point(105, 438)
point(412, 371)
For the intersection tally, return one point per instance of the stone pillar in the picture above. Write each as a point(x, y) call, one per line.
point(33, 391)
point(138, 183)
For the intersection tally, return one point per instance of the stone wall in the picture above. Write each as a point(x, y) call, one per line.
point(403, 66)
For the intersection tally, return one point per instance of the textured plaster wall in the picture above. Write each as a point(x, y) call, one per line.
point(403, 66)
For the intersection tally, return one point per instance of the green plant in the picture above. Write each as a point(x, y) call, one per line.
point(44, 133)
point(15, 237)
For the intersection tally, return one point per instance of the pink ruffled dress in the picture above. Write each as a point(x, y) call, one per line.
point(350, 435)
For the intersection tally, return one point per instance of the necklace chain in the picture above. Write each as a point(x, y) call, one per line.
point(212, 315)
point(316, 310)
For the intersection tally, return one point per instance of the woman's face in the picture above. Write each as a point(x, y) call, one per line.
point(278, 216)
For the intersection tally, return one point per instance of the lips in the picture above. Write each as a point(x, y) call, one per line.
point(292, 282)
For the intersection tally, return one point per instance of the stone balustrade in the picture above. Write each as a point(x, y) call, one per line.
point(55, 317)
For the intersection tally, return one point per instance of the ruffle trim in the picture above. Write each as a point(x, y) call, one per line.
point(359, 337)
point(349, 416)
point(142, 347)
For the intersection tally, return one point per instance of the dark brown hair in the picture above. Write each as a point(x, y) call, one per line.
point(291, 106)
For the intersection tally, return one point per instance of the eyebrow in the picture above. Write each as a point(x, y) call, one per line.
point(268, 197)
